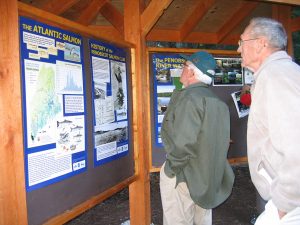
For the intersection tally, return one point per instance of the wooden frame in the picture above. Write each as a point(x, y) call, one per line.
point(52, 19)
point(136, 26)
point(13, 208)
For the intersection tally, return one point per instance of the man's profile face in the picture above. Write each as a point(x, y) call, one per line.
point(186, 74)
point(247, 48)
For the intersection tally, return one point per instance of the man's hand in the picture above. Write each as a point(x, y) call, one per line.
point(245, 89)
point(281, 214)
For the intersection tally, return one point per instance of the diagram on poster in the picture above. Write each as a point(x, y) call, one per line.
point(68, 78)
point(44, 105)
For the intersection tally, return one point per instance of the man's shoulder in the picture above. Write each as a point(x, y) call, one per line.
point(199, 96)
point(281, 69)
point(199, 91)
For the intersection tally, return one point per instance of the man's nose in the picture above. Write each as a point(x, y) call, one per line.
point(239, 50)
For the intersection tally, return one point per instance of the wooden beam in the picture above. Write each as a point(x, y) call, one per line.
point(238, 161)
point(231, 39)
point(197, 14)
point(163, 35)
point(192, 50)
point(203, 38)
point(291, 2)
point(113, 16)
point(107, 31)
point(139, 191)
point(13, 210)
point(55, 20)
point(237, 17)
point(152, 13)
point(58, 6)
point(174, 36)
point(87, 16)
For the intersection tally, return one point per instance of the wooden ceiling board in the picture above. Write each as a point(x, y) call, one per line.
point(152, 13)
point(290, 2)
point(217, 24)
point(197, 14)
point(74, 11)
point(176, 14)
point(101, 20)
point(216, 17)
point(119, 4)
point(262, 10)
point(88, 15)
point(58, 7)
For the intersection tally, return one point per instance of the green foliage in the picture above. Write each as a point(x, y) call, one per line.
point(296, 12)
point(296, 45)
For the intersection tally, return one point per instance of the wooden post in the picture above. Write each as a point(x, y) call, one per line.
point(13, 209)
point(139, 191)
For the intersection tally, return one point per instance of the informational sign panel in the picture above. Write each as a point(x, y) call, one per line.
point(166, 69)
point(54, 105)
point(110, 101)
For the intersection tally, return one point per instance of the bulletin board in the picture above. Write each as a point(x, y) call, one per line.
point(77, 135)
point(164, 71)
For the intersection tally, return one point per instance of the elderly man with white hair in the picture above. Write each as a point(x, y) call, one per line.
point(196, 176)
point(274, 120)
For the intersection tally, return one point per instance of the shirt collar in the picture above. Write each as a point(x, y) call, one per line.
point(274, 56)
point(198, 84)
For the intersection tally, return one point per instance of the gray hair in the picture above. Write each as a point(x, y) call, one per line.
point(271, 29)
point(200, 75)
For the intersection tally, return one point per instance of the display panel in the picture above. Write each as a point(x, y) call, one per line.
point(165, 71)
point(110, 102)
point(54, 106)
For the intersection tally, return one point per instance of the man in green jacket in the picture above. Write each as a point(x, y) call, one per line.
point(196, 176)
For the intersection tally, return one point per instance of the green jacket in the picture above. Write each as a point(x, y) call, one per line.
point(196, 135)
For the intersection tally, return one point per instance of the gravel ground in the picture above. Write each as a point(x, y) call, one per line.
point(237, 210)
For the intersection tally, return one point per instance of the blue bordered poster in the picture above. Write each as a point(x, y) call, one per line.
point(54, 103)
point(166, 69)
point(110, 102)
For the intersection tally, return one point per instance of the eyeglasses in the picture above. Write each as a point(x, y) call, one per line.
point(240, 42)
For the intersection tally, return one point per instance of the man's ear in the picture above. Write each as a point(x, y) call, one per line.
point(261, 44)
point(190, 73)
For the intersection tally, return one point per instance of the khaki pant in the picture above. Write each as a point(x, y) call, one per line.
point(178, 207)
